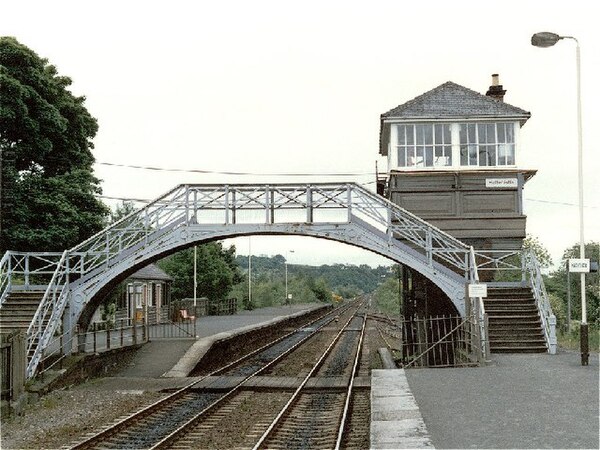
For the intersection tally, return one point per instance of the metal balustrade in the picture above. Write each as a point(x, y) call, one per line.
point(522, 266)
point(194, 213)
point(533, 272)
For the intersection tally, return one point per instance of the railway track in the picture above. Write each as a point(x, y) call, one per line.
point(318, 418)
point(159, 424)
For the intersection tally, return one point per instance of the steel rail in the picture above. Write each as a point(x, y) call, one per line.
point(297, 392)
point(342, 423)
point(159, 404)
point(168, 440)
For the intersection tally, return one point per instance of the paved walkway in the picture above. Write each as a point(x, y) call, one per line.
point(517, 401)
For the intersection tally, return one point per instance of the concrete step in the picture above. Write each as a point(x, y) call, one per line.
point(12, 303)
point(516, 329)
point(498, 317)
point(512, 349)
point(499, 314)
point(515, 308)
point(499, 293)
point(24, 294)
point(10, 312)
point(509, 300)
point(518, 340)
point(534, 331)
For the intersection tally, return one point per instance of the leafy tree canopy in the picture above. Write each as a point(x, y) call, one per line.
point(217, 271)
point(48, 188)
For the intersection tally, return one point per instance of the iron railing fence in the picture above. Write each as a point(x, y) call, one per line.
point(442, 341)
point(12, 365)
point(5, 368)
point(110, 335)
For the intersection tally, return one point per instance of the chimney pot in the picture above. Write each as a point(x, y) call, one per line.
point(495, 91)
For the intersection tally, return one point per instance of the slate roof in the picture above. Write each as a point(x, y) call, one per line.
point(151, 272)
point(450, 100)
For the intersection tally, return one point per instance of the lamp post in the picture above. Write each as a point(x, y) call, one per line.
point(195, 275)
point(286, 275)
point(547, 39)
point(250, 271)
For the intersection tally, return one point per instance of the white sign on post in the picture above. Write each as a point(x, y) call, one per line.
point(478, 290)
point(579, 265)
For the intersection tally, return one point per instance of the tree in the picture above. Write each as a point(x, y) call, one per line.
point(541, 253)
point(533, 244)
point(216, 271)
point(321, 290)
point(122, 210)
point(48, 190)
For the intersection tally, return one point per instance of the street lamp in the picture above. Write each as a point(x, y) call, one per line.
point(286, 275)
point(547, 39)
point(249, 272)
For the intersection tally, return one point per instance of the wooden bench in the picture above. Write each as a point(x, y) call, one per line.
point(185, 316)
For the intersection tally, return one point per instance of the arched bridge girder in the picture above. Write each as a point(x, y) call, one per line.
point(192, 213)
point(83, 291)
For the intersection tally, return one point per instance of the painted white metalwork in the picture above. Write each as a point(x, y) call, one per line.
point(193, 213)
point(478, 308)
point(532, 268)
point(525, 263)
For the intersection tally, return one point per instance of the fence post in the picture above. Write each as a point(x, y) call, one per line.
point(26, 272)
point(134, 329)
point(552, 335)
point(107, 335)
point(61, 347)
point(94, 331)
point(121, 329)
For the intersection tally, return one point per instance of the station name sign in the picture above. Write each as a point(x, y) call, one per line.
point(501, 183)
point(579, 265)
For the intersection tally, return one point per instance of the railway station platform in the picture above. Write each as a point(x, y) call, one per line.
point(175, 358)
point(515, 401)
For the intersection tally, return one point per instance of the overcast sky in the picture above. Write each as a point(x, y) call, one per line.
point(281, 86)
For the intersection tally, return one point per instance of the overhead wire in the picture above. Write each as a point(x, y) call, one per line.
point(218, 172)
point(283, 174)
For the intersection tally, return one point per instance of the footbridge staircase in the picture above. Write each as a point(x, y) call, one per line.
point(72, 283)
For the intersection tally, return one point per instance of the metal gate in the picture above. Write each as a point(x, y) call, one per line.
point(444, 341)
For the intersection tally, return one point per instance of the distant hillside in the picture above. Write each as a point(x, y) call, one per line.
point(343, 279)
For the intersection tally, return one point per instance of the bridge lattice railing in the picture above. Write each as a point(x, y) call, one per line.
point(190, 205)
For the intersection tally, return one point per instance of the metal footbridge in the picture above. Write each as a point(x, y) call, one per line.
point(78, 279)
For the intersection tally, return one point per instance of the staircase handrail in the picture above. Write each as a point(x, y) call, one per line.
point(532, 269)
point(434, 241)
point(47, 317)
point(477, 305)
point(5, 276)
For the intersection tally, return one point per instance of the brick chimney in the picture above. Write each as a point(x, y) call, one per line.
point(495, 91)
